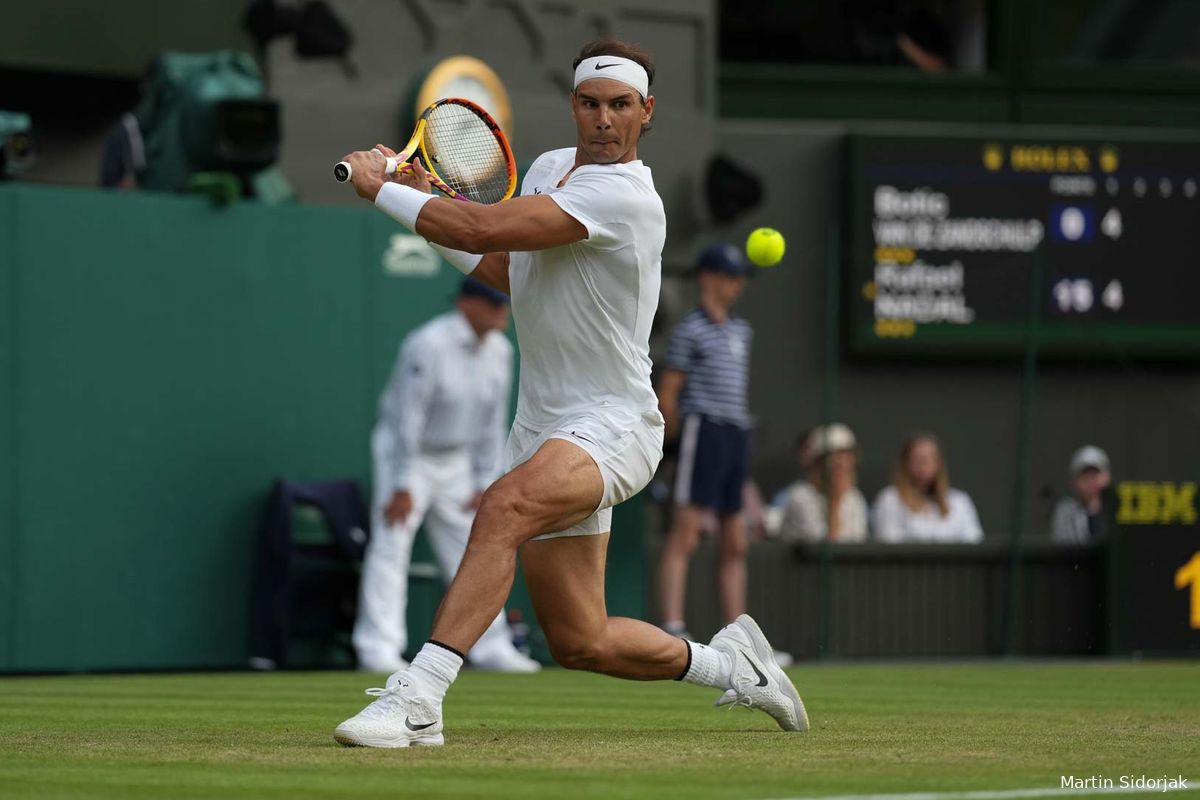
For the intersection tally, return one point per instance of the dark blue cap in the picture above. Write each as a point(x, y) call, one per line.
point(724, 258)
point(473, 288)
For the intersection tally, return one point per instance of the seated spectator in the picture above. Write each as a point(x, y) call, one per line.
point(920, 506)
point(832, 474)
point(1079, 518)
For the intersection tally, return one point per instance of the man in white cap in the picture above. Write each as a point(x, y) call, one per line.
point(435, 448)
point(1079, 518)
point(580, 253)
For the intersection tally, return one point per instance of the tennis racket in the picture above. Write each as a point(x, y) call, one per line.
point(463, 149)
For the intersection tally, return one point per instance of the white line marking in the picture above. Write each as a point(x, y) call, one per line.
point(1190, 785)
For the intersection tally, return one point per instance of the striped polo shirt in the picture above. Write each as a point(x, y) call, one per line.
point(716, 358)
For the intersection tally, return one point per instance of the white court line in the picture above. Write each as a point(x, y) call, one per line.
point(1004, 794)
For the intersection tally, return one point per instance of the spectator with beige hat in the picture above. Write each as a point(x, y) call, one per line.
point(827, 502)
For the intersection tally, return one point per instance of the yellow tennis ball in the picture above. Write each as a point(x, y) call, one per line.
point(765, 247)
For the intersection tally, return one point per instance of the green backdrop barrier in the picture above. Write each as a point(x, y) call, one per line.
point(162, 360)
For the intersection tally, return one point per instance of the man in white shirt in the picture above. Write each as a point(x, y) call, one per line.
point(580, 253)
point(435, 448)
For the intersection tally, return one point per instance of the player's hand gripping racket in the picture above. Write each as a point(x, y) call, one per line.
point(463, 149)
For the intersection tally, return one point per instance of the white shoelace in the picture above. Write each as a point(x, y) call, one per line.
point(386, 699)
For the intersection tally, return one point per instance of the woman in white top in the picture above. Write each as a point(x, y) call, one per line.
point(920, 506)
point(832, 471)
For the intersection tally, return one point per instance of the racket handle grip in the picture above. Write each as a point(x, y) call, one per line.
point(342, 171)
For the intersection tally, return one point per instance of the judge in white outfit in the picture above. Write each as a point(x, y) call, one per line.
point(442, 423)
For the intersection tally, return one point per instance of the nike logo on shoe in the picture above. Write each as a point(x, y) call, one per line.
point(762, 679)
point(408, 723)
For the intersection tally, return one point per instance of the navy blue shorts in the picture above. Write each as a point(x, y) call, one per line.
point(714, 458)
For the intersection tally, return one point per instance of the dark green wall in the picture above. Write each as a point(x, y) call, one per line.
point(1027, 80)
point(9, 511)
point(114, 38)
point(163, 361)
point(172, 359)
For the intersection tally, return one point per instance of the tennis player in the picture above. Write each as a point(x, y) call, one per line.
point(579, 252)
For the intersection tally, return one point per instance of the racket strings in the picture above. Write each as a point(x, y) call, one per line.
point(466, 153)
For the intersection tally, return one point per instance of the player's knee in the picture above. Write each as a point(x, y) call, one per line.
point(572, 652)
point(505, 511)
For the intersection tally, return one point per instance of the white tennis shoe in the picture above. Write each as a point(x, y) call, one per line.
point(400, 716)
point(758, 681)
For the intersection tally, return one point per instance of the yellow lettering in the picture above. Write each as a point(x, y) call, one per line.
point(1150, 503)
point(895, 328)
point(1178, 503)
point(1045, 158)
point(1126, 492)
point(1189, 575)
point(894, 255)
point(1147, 503)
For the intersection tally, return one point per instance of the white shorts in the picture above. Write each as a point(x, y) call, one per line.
point(626, 446)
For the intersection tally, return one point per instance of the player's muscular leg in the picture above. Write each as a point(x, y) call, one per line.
point(555, 489)
point(566, 584)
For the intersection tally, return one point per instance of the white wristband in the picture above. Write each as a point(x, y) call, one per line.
point(461, 260)
point(402, 203)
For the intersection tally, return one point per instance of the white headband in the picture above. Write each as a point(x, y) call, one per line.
point(623, 70)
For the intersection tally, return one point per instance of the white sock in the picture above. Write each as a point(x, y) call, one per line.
point(437, 667)
point(709, 667)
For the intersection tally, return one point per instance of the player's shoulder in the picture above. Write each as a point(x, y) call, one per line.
point(553, 156)
point(543, 168)
point(633, 174)
point(550, 159)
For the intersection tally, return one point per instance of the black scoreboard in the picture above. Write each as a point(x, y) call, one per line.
point(945, 234)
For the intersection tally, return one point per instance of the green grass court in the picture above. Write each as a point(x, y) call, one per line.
point(878, 728)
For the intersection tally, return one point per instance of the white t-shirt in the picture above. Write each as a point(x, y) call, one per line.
point(583, 311)
point(896, 523)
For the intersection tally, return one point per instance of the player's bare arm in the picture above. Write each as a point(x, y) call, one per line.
point(522, 223)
